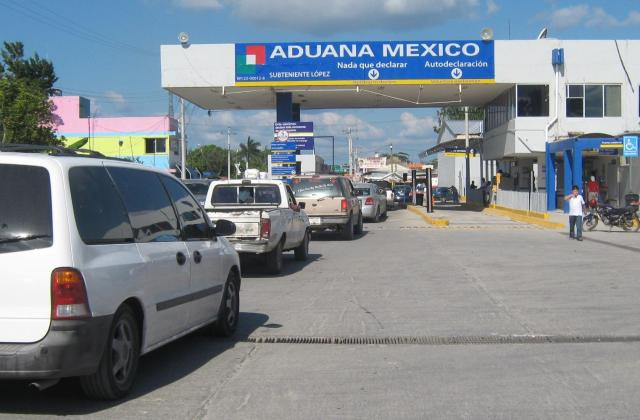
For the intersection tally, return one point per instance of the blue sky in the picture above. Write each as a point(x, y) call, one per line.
point(109, 50)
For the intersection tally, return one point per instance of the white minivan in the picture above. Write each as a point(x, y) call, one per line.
point(102, 261)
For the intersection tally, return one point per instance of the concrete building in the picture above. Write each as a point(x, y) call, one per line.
point(592, 92)
point(148, 140)
point(535, 93)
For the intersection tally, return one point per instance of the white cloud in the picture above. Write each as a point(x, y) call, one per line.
point(569, 16)
point(415, 126)
point(590, 17)
point(198, 4)
point(492, 7)
point(331, 16)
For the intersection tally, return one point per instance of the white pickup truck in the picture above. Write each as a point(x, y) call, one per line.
point(267, 217)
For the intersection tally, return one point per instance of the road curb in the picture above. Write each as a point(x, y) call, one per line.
point(518, 217)
point(526, 213)
point(435, 221)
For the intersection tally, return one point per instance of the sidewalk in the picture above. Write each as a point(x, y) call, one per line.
point(460, 216)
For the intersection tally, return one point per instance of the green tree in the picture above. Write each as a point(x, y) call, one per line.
point(209, 158)
point(456, 113)
point(252, 153)
point(26, 113)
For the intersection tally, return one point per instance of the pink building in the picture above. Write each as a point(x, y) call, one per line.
point(149, 140)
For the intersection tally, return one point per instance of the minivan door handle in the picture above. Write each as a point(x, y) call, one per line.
point(197, 257)
point(181, 258)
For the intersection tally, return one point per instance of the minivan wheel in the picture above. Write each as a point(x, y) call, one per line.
point(229, 311)
point(347, 230)
point(359, 228)
point(274, 260)
point(302, 251)
point(119, 364)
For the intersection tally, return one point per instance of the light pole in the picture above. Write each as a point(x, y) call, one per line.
point(183, 143)
point(467, 180)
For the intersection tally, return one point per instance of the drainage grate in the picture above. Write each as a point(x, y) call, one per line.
point(448, 340)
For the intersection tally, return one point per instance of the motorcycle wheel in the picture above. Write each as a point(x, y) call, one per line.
point(626, 223)
point(590, 222)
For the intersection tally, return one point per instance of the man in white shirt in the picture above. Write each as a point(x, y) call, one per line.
point(576, 210)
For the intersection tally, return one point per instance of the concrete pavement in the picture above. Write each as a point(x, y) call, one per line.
point(405, 278)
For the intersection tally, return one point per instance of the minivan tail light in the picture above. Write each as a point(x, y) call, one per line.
point(68, 295)
point(344, 205)
point(265, 228)
point(369, 201)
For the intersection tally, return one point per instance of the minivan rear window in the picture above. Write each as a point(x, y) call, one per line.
point(316, 187)
point(25, 208)
point(100, 215)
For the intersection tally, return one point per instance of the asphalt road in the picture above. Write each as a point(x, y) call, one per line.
point(478, 297)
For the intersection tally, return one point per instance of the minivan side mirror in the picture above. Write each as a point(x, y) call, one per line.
point(225, 227)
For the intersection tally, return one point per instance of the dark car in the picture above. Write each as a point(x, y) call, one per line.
point(443, 194)
point(402, 194)
point(199, 188)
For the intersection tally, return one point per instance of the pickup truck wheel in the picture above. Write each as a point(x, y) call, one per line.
point(347, 230)
point(359, 228)
point(229, 310)
point(274, 260)
point(119, 363)
point(302, 251)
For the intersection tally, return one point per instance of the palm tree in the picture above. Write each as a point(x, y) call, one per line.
point(250, 150)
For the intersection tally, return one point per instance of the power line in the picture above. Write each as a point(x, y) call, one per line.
point(76, 30)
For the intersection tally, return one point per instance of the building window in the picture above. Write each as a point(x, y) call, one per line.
point(594, 101)
point(155, 145)
point(500, 110)
point(533, 100)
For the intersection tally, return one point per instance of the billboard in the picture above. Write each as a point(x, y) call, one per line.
point(358, 63)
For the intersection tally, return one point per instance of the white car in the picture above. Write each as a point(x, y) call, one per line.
point(103, 261)
point(267, 217)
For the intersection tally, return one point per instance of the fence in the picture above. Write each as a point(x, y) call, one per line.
point(522, 200)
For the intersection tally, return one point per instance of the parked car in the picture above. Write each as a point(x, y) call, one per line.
point(199, 188)
point(443, 194)
point(268, 219)
point(330, 202)
point(103, 261)
point(402, 195)
point(373, 201)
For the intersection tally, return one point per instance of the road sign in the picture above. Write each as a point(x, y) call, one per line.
point(352, 62)
point(283, 170)
point(630, 148)
point(283, 145)
point(283, 158)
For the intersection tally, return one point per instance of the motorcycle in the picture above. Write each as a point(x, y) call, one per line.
point(624, 218)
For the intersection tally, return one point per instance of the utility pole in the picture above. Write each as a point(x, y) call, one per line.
point(467, 181)
point(248, 140)
point(183, 144)
point(349, 140)
point(228, 152)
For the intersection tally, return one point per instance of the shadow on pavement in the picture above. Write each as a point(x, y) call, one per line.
point(255, 265)
point(457, 207)
point(329, 235)
point(157, 369)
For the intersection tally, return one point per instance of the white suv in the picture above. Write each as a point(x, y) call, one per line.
point(102, 261)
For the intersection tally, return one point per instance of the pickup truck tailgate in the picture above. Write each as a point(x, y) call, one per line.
point(324, 206)
point(247, 221)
